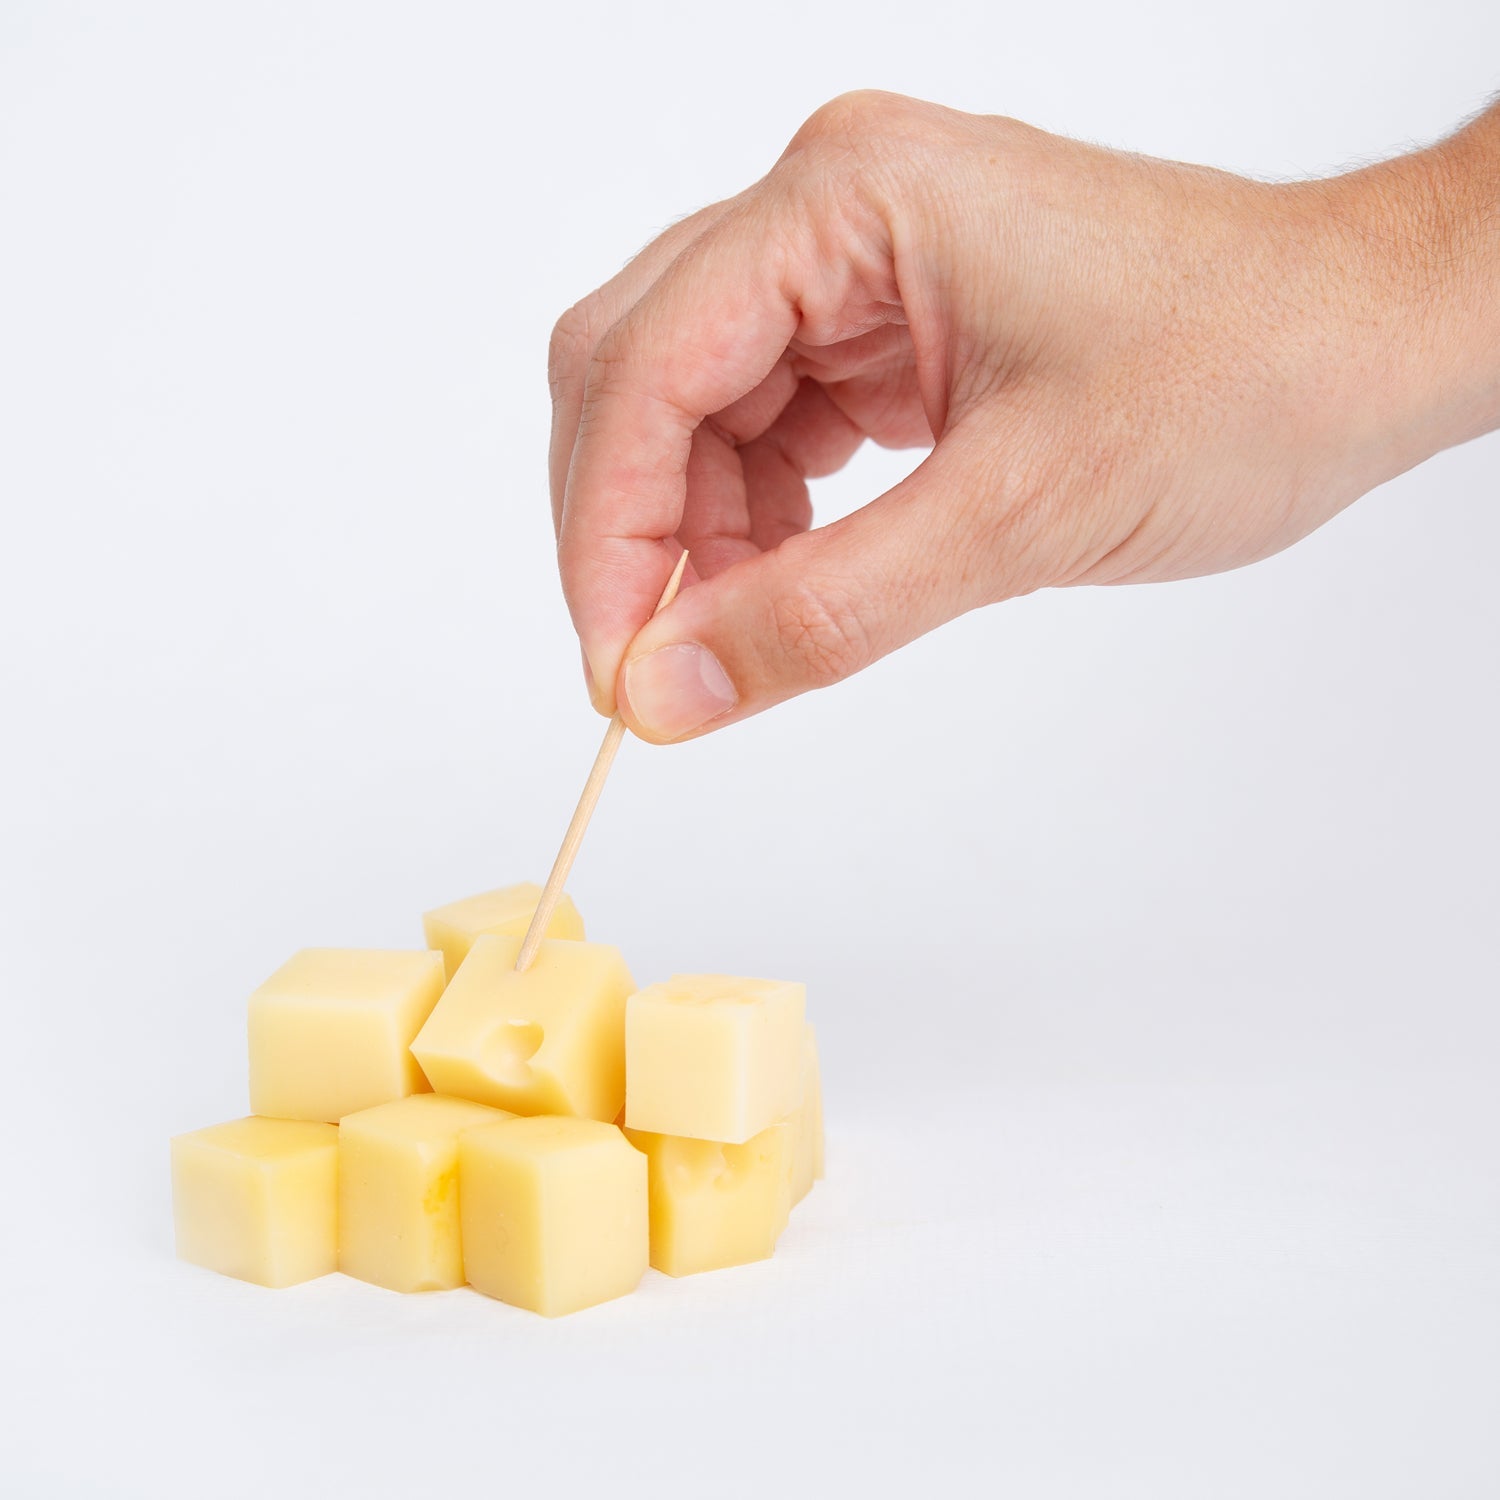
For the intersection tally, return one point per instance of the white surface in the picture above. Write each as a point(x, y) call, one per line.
point(1151, 933)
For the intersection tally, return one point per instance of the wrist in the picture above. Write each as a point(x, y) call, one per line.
point(1420, 239)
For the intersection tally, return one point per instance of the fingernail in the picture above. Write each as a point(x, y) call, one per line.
point(592, 684)
point(677, 689)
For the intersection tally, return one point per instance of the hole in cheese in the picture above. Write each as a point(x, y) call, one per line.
point(508, 1053)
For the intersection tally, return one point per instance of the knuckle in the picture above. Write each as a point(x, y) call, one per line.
point(571, 344)
point(847, 118)
point(875, 143)
point(820, 630)
point(610, 363)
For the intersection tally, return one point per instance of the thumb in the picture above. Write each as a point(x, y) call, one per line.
point(816, 609)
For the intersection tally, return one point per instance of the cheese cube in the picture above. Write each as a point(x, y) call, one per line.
point(398, 1191)
point(713, 1057)
point(549, 1041)
point(554, 1212)
point(257, 1199)
point(714, 1205)
point(331, 1031)
point(807, 1123)
point(508, 911)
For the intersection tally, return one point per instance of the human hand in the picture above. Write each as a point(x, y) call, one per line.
point(1130, 370)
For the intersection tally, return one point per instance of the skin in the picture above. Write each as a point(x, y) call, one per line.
point(1127, 371)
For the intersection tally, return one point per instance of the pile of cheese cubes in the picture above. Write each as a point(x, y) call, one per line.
point(426, 1118)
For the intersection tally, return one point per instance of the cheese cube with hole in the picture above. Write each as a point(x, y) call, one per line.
point(715, 1205)
point(506, 912)
point(807, 1122)
point(331, 1031)
point(398, 1191)
point(258, 1199)
point(549, 1041)
point(554, 1212)
point(713, 1057)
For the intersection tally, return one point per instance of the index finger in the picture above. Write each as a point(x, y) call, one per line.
point(709, 330)
point(579, 330)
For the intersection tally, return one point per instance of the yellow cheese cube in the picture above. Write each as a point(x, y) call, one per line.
point(331, 1031)
point(398, 1191)
point(807, 1123)
point(454, 927)
point(258, 1199)
point(554, 1212)
point(713, 1057)
point(549, 1041)
point(714, 1205)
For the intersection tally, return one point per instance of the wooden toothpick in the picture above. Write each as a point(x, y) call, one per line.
point(552, 891)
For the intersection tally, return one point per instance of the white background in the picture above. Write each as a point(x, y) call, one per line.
point(1151, 933)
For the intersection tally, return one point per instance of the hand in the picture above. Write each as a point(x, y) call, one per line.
point(1131, 370)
